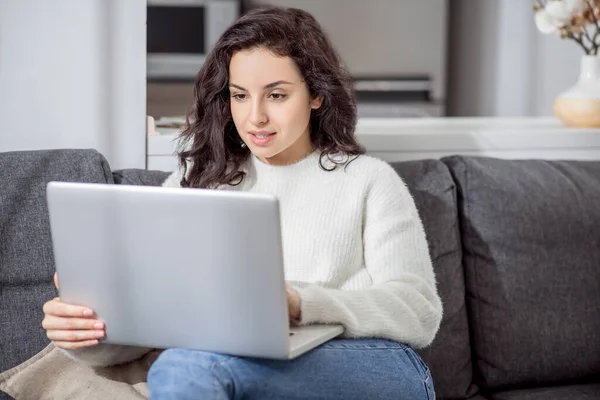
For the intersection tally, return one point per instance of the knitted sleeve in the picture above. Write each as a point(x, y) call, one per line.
point(403, 303)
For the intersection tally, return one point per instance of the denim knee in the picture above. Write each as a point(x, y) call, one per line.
point(180, 357)
point(182, 374)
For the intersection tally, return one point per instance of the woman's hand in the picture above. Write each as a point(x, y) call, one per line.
point(71, 327)
point(294, 301)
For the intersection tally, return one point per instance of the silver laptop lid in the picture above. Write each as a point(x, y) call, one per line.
point(166, 267)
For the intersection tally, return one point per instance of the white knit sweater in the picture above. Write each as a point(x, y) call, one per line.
point(354, 247)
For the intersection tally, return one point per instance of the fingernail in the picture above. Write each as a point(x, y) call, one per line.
point(99, 334)
point(98, 325)
point(88, 313)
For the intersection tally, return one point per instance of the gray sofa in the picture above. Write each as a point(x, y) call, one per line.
point(516, 250)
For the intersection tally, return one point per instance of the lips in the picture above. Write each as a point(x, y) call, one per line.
point(262, 138)
point(261, 133)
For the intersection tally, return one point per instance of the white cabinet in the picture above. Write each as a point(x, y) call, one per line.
point(405, 139)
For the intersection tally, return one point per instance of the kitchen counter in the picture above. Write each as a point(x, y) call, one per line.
point(401, 139)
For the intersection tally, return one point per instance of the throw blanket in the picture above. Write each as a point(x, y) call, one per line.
point(52, 375)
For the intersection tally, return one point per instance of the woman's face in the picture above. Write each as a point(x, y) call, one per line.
point(270, 106)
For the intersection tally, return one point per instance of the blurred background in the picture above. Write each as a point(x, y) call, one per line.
point(86, 73)
point(410, 58)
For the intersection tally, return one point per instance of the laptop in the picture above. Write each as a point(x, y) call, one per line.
point(178, 268)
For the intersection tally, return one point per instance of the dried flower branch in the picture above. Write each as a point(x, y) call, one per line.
point(570, 19)
point(592, 14)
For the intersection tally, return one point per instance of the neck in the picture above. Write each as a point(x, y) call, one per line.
point(287, 160)
point(296, 164)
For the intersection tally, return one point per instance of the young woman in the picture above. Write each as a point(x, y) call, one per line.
point(274, 112)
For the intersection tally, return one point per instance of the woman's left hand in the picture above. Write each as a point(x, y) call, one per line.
point(293, 298)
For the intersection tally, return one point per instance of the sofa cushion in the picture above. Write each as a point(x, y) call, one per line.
point(575, 392)
point(139, 177)
point(26, 256)
point(449, 356)
point(21, 311)
point(531, 245)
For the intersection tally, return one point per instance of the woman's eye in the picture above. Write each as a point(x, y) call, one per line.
point(278, 96)
point(239, 96)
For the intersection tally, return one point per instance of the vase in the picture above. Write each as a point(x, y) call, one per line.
point(579, 106)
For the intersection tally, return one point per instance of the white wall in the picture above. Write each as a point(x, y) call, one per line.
point(500, 65)
point(73, 75)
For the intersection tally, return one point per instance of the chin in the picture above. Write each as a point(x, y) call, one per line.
point(263, 152)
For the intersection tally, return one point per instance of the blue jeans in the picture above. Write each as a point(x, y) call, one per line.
point(339, 369)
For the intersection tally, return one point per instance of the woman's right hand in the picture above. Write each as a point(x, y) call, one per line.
point(71, 327)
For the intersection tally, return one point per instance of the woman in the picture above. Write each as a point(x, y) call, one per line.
point(274, 112)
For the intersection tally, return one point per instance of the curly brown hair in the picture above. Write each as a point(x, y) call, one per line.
point(210, 146)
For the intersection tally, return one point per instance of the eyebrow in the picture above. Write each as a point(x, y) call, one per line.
point(269, 86)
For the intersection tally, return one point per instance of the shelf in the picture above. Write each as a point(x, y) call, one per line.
point(401, 139)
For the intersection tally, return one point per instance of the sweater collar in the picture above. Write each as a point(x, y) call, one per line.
point(309, 162)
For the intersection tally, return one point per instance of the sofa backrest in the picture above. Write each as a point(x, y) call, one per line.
point(531, 252)
point(139, 177)
point(26, 256)
point(449, 356)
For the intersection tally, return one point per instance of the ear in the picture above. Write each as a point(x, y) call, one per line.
point(316, 102)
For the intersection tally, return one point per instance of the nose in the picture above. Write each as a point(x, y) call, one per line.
point(258, 116)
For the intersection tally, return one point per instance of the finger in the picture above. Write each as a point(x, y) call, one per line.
point(54, 322)
point(60, 309)
point(76, 345)
point(56, 279)
point(73, 336)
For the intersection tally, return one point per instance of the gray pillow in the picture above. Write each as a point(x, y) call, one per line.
point(531, 248)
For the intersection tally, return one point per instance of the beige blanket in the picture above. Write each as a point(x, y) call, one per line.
point(50, 374)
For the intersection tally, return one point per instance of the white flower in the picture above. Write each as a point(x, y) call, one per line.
point(556, 14)
point(545, 23)
point(573, 6)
